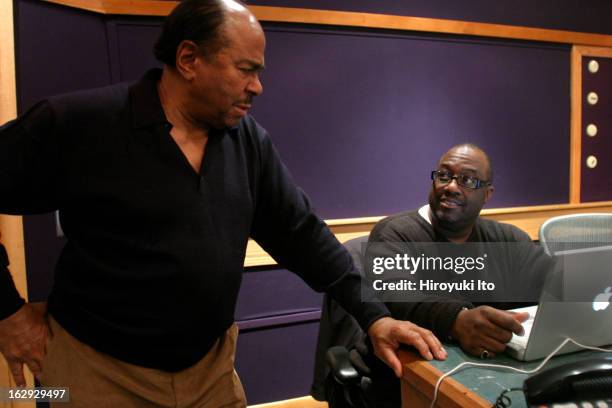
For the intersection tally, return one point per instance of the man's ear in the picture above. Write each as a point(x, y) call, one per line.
point(187, 54)
point(488, 193)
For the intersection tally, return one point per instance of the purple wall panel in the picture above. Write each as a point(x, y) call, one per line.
point(274, 292)
point(277, 363)
point(361, 118)
point(58, 50)
point(585, 15)
point(596, 184)
point(134, 47)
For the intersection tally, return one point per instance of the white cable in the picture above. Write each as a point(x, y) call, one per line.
point(488, 365)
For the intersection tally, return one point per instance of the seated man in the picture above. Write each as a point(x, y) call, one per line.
point(461, 185)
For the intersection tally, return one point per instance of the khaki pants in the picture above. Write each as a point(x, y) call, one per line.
point(101, 381)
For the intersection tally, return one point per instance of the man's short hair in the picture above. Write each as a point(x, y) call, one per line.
point(197, 20)
point(473, 146)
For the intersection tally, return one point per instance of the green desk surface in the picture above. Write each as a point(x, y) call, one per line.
point(489, 383)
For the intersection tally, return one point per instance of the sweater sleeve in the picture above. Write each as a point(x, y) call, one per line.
point(28, 169)
point(10, 300)
point(437, 314)
point(532, 267)
point(29, 162)
point(286, 226)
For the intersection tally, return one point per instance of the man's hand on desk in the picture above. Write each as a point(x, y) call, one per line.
point(486, 328)
point(23, 339)
point(387, 334)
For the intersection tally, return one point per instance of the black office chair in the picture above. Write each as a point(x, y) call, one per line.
point(344, 362)
point(336, 380)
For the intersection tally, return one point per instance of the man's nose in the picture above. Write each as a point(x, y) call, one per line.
point(452, 187)
point(254, 87)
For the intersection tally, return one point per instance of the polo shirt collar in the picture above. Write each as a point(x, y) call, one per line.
point(145, 105)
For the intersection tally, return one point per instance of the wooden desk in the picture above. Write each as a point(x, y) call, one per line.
point(419, 381)
point(472, 387)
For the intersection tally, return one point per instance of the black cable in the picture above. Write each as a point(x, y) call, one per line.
point(503, 401)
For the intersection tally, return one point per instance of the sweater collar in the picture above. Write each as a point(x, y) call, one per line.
point(425, 213)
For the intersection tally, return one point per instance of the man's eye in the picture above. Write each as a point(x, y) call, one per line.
point(443, 176)
point(249, 70)
point(468, 180)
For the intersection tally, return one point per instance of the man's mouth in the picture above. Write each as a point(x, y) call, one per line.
point(244, 107)
point(451, 203)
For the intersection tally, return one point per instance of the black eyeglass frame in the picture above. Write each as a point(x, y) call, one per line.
point(479, 183)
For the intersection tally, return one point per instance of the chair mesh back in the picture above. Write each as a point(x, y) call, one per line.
point(576, 231)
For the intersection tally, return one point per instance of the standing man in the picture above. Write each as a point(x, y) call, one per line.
point(159, 185)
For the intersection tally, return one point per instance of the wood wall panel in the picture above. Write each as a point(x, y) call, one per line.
point(528, 219)
point(354, 19)
point(11, 228)
point(591, 185)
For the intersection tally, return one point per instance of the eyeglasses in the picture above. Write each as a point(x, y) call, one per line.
point(445, 177)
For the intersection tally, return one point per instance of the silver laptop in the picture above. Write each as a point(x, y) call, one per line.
point(585, 314)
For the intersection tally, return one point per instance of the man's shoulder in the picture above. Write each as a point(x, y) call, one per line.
point(253, 139)
point(91, 103)
point(495, 231)
point(94, 96)
point(404, 226)
point(249, 128)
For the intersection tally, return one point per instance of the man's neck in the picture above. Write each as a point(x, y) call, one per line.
point(454, 236)
point(189, 135)
point(173, 98)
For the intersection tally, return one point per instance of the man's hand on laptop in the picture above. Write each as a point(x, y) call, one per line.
point(387, 334)
point(486, 329)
